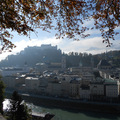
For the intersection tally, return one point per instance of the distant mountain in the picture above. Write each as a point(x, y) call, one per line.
point(93, 48)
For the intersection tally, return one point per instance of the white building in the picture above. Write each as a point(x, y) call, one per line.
point(32, 84)
point(8, 71)
point(112, 88)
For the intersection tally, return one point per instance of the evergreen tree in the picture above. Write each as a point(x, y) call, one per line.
point(18, 109)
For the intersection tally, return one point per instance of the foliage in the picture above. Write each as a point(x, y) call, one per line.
point(65, 16)
point(2, 88)
point(18, 109)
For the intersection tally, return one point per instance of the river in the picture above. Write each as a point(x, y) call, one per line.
point(61, 114)
point(68, 114)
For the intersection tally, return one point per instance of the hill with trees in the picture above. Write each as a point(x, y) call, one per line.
point(75, 59)
point(33, 55)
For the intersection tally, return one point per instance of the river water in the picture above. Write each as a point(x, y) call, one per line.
point(61, 114)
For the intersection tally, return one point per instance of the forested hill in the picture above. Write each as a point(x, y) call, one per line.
point(33, 55)
point(75, 59)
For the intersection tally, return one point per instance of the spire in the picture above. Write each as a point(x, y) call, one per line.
point(80, 64)
point(92, 62)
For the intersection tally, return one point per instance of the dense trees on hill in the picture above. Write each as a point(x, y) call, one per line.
point(33, 55)
point(74, 59)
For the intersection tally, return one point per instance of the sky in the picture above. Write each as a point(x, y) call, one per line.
point(92, 44)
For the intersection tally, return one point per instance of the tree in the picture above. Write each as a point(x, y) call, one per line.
point(65, 16)
point(18, 109)
point(2, 88)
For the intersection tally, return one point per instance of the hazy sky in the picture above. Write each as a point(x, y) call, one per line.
point(92, 44)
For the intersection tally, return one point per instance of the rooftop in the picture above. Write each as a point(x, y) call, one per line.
point(32, 78)
point(110, 81)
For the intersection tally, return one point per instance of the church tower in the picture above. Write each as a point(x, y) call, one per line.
point(92, 63)
point(63, 62)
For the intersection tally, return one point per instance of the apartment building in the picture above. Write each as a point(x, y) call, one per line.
point(97, 87)
point(32, 84)
point(9, 81)
point(54, 89)
point(112, 88)
point(84, 92)
point(8, 71)
point(74, 89)
point(65, 88)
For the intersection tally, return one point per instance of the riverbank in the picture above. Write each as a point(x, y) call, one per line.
point(70, 104)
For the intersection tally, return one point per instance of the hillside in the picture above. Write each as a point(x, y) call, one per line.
point(48, 54)
point(31, 56)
